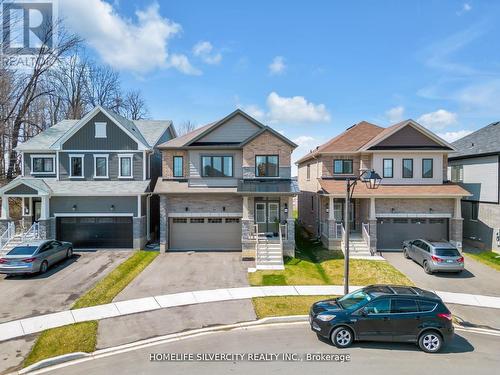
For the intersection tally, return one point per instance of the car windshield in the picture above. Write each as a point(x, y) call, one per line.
point(354, 300)
point(443, 252)
point(22, 250)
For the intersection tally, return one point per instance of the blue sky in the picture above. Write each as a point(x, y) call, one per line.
point(308, 68)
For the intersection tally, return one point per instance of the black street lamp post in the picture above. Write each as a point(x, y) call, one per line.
point(372, 181)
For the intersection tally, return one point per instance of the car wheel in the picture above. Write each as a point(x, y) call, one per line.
point(427, 269)
point(405, 253)
point(430, 342)
point(44, 266)
point(69, 253)
point(342, 337)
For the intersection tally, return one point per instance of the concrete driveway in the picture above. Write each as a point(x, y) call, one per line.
point(180, 272)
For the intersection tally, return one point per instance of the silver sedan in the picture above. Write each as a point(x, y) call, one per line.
point(434, 256)
point(35, 256)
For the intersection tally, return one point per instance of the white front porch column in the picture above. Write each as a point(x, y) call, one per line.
point(372, 209)
point(5, 208)
point(457, 214)
point(331, 212)
point(246, 215)
point(290, 208)
point(44, 215)
point(148, 217)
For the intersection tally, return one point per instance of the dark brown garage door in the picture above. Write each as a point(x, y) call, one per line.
point(96, 232)
point(391, 232)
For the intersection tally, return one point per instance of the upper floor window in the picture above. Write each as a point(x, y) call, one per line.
point(76, 166)
point(101, 166)
point(308, 171)
point(266, 166)
point(457, 173)
point(342, 166)
point(407, 168)
point(42, 164)
point(388, 168)
point(125, 166)
point(427, 168)
point(178, 166)
point(217, 166)
point(100, 130)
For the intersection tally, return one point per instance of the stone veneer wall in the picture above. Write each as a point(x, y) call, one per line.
point(139, 232)
point(47, 228)
point(163, 223)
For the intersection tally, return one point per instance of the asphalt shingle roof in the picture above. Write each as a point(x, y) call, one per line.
point(45, 139)
point(482, 141)
point(152, 129)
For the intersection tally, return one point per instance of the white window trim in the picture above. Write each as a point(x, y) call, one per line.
point(81, 156)
point(123, 156)
point(265, 213)
point(95, 166)
point(45, 156)
point(105, 126)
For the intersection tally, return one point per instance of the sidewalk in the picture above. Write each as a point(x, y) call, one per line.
point(22, 327)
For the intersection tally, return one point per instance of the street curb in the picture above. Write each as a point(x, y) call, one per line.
point(78, 357)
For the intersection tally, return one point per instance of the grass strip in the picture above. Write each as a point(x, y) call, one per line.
point(489, 258)
point(284, 305)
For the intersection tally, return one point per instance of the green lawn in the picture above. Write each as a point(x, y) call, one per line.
point(490, 258)
point(284, 305)
point(82, 337)
point(314, 265)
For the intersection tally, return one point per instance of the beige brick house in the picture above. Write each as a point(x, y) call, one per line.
point(227, 186)
point(413, 200)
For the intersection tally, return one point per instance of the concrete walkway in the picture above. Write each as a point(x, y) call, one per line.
point(22, 327)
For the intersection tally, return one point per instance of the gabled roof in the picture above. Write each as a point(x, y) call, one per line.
point(482, 141)
point(46, 138)
point(188, 139)
point(152, 130)
point(35, 183)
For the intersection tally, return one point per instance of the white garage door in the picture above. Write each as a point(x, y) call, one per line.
point(216, 234)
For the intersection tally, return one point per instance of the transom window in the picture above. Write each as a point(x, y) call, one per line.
point(101, 166)
point(266, 166)
point(100, 130)
point(42, 164)
point(342, 166)
point(125, 166)
point(427, 168)
point(76, 166)
point(407, 168)
point(178, 166)
point(217, 166)
point(388, 168)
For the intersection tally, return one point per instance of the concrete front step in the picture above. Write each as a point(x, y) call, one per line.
point(270, 267)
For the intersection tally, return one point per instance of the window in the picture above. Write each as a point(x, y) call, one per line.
point(457, 173)
point(195, 220)
point(232, 220)
point(381, 306)
point(342, 166)
point(76, 166)
point(388, 168)
point(308, 172)
point(100, 130)
point(101, 166)
point(178, 166)
point(407, 168)
point(125, 163)
point(426, 306)
point(179, 220)
point(474, 211)
point(337, 211)
point(427, 166)
point(42, 164)
point(402, 306)
point(214, 220)
point(266, 166)
point(217, 166)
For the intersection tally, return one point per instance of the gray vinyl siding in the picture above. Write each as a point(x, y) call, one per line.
point(27, 164)
point(116, 138)
point(156, 159)
point(407, 137)
point(92, 205)
point(22, 189)
point(88, 165)
point(237, 129)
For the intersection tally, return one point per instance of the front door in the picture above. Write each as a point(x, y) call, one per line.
point(37, 210)
point(267, 217)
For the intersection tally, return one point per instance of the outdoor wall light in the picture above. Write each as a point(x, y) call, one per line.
point(112, 208)
point(223, 208)
point(74, 207)
point(327, 209)
point(286, 208)
point(186, 208)
point(393, 210)
point(430, 210)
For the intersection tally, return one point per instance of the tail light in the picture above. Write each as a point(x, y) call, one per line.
point(436, 259)
point(444, 316)
point(460, 260)
point(29, 260)
point(3, 261)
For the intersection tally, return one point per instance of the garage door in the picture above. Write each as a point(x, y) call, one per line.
point(205, 234)
point(391, 232)
point(96, 232)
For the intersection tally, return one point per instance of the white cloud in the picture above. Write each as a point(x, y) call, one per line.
point(453, 136)
point(466, 7)
point(395, 114)
point(306, 143)
point(295, 109)
point(139, 45)
point(182, 64)
point(303, 140)
point(277, 66)
point(203, 50)
point(254, 111)
point(438, 120)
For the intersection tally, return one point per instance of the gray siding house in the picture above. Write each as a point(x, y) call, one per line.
point(90, 181)
point(476, 166)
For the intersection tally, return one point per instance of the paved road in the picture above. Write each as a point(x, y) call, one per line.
point(468, 353)
point(180, 272)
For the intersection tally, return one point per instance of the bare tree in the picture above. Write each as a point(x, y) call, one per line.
point(135, 106)
point(185, 127)
point(103, 87)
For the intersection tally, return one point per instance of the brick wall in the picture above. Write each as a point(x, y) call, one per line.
point(168, 162)
point(328, 163)
point(267, 144)
point(204, 203)
point(414, 205)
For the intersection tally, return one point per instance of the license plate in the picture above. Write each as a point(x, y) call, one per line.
point(450, 261)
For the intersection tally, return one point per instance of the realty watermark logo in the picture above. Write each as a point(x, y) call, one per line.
point(28, 27)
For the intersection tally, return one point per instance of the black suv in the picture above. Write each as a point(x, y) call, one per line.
point(384, 313)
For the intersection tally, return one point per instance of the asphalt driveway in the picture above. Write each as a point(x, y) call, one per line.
point(180, 272)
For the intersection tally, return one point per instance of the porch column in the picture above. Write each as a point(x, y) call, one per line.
point(290, 208)
point(457, 214)
point(372, 219)
point(456, 225)
point(148, 217)
point(5, 208)
point(331, 213)
point(372, 210)
point(44, 215)
point(246, 215)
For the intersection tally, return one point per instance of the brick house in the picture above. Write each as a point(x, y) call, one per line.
point(414, 198)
